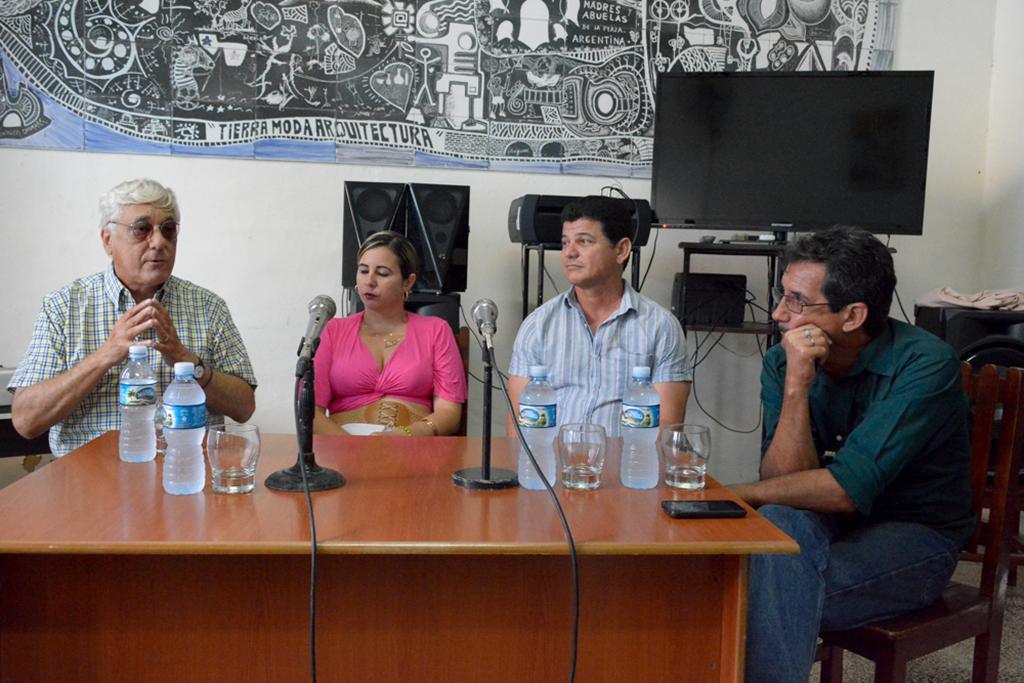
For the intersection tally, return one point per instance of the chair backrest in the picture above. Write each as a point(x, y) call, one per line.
point(995, 401)
point(998, 349)
point(462, 339)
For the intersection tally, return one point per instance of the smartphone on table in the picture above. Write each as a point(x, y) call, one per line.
point(702, 509)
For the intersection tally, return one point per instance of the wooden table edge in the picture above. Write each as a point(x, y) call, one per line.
point(329, 548)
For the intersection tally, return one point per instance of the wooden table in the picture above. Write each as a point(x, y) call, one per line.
point(103, 577)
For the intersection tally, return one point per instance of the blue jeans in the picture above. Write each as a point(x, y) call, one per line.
point(837, 581)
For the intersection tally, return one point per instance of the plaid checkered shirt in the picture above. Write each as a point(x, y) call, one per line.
point(76, 320)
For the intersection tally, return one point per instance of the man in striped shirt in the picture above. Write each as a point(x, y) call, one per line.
point(591, 336)
point(68, 380)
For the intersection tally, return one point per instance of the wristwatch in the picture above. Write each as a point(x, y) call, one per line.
point(199, 371)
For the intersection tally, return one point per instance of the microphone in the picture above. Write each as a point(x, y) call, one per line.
point(305, 474)
point(321, 309)
point(485, 314)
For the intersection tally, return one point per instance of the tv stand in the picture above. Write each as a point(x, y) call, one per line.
point(770, 250)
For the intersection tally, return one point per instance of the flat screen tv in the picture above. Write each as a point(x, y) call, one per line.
point(792, 151)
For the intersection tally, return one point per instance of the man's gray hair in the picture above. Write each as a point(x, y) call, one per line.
point(139, 191)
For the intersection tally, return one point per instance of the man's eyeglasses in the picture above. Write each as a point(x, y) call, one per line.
point(792, 303)
point(142, 229)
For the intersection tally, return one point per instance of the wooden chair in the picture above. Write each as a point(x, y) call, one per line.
point(1004, 352)
point(462, 339)
point(963, 611)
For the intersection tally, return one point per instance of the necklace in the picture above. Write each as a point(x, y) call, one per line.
point(389, 339)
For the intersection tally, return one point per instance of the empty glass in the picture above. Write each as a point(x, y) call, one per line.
point(685, 449)
point(581, 449)
point(233, 450)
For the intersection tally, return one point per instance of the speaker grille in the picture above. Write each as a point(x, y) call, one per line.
point(439, 229)
point(435, 218)
point(369, 208)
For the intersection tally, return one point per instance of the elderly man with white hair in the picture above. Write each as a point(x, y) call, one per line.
point(68, 380)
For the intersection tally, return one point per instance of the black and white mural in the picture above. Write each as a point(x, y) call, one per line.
point(543, 85)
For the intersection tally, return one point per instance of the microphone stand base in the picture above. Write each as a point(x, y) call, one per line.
point(319, 478)
point(473, 478)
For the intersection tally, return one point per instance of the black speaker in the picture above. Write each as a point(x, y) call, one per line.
point(369, 208)
point(537, 219)
point(961, 327)
point(438, 227)
point(709, 299)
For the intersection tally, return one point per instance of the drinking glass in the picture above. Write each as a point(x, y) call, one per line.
point(581, 449)
point(685, 449)
point(233, 450)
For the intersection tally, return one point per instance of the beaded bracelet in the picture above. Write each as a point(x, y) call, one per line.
point(431, 424)
point(404, 428)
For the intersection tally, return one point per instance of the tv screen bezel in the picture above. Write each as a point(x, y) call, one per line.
point(771, 223)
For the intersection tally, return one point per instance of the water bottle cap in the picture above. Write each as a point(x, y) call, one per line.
point(641, 372)
point(186, 370)
point(136, 350)
point(538, 371)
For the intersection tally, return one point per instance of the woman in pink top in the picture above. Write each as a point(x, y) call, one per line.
point(386, 365)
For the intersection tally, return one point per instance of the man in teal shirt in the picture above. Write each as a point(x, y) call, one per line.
point(865, 461)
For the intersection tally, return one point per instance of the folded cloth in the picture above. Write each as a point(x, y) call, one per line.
point(992, 299)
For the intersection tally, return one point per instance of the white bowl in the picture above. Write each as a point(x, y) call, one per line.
point(362, 428)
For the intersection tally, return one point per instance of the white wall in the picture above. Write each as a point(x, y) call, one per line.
point(267, 237)
point(1003, 238)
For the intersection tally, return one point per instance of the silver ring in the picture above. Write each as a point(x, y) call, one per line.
point(807, 333)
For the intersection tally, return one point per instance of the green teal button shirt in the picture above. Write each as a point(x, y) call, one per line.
point(897, 423)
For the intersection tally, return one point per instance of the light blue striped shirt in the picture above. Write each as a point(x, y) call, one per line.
point(76, 320)
point(589, 372)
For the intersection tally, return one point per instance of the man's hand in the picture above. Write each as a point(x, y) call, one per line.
point(38, 407)
point(806, 347)
point(167, 341)
point(134, 322)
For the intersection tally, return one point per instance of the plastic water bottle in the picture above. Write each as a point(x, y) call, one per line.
point(641, 416)
point(538, 416)
point(184, 427)
point(137, 404)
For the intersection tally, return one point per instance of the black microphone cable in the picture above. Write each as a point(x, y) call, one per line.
point(554, 499)
point(312, 534)
point(565, 529)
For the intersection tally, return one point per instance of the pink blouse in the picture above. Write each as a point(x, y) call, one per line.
point(425, 364)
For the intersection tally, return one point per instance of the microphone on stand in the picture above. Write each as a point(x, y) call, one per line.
point(485, 314)
point(321, 309)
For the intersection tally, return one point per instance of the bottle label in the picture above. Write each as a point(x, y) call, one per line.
point(137, 394)
point(641, 417)
point(538, 416)
point(184, 417)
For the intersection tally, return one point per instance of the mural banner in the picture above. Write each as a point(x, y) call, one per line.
point(557, 86)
